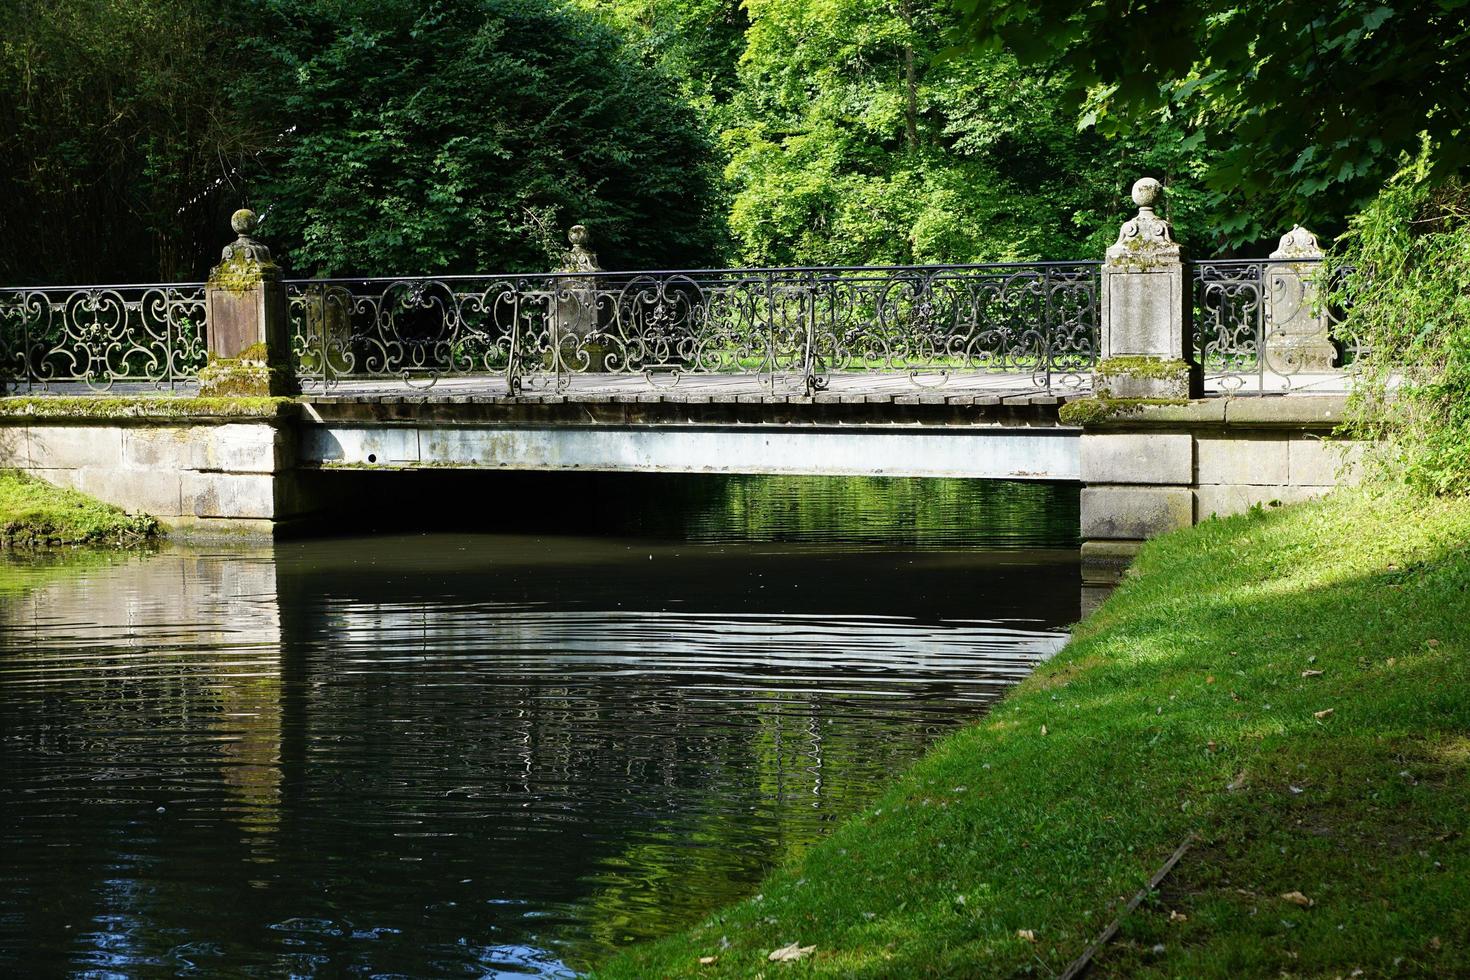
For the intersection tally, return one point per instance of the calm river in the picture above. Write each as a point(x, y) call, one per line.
point(490, 753)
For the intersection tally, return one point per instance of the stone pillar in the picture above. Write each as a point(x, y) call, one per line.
point(1298, 332)
point(1147, 347)
point(248, 332)
point(579, 339)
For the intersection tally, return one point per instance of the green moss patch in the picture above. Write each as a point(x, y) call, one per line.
point(1289, 687)
point(141, 407)
point(36, 514)
point(238, 274)
point(1154, 368)
point(1094, 411)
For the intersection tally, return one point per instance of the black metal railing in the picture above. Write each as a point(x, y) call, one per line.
point(98, 338)
point(1260, 325)
point(792, 329)
point(1270, 325)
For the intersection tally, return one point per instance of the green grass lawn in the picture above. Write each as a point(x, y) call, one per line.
point(33, 513)
point(1290, 687)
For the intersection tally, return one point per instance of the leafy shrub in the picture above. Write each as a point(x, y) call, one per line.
point(1410, 308)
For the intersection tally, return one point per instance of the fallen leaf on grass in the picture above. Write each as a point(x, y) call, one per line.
point(1324, 713)
point(707, 960)
point(1027, 934)
point(1311, 673)
point(787, 954)
point(1297, 898)
point(1433, 644)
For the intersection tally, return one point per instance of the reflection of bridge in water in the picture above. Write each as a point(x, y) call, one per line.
point(491, 751)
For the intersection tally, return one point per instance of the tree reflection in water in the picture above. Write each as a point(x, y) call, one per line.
point(448, 753)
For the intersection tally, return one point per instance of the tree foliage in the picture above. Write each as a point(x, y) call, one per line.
point(850, 138)
point(1305, 108)
point(457, 135)
point(402, 136)
point(115, 123)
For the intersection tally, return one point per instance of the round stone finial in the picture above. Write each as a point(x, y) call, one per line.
point(1146, 192)
point(579, 235)
point(244, 221)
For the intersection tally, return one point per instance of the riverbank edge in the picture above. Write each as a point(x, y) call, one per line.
point(1286, 690)
point(35, 514)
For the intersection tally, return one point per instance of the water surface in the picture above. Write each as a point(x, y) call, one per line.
point(481, 754)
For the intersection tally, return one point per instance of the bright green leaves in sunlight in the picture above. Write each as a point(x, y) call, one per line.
point(1305, 108)
point(850, 138)
point(1407, 259)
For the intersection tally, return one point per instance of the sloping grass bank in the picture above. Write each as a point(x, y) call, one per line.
point(1291, 688)
point(33, 513)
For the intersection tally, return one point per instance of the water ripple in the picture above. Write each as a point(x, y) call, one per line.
point(496, 757)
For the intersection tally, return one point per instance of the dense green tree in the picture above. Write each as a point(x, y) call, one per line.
point(851, 143)
point(116, 131)
point(401, 136)
point(1306, 108)
point(851, 139)
point(696, 42)
point(459, 135)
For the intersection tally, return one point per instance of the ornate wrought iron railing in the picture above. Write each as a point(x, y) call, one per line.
point(793, 329)
point(95, 338)
point(1264, 325)
point(1260, 325)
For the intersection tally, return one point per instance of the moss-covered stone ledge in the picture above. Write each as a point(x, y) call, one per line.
point(122, 407)
point(1097, 411)
point(1318, 413)
point(1139, 366)
point(1141, 377)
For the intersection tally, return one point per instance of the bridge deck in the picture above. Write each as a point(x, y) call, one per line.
point(854, 387)
point(901, 389)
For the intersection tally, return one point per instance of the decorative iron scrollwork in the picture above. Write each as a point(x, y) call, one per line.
point(97, 337)
point(793, 329)
point(1269, 325)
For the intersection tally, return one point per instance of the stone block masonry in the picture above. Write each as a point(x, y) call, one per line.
point(201, 476)
point(1159, 467)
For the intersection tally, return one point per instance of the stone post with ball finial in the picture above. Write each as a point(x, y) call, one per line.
point(1147, 349)
point(247, 331)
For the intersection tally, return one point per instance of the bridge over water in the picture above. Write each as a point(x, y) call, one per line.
point(1205, 386)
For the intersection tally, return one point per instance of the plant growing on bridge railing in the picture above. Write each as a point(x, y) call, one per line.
point(1410, 310)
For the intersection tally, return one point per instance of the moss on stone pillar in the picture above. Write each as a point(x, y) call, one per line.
point(248, 330)
point(1146, 306)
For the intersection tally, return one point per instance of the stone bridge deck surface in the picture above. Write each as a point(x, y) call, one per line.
point(277, 466)
point(867, 387)
point(896, 388)
point(981, 426)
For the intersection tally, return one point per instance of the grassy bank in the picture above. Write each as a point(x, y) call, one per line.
point(1290, 688)
point(33, 513)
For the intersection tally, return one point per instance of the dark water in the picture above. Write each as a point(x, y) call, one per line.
point(486, 754)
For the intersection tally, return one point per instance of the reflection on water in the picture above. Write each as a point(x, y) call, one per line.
point(463, 754)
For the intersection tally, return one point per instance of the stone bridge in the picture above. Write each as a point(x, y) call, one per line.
point(1172, 390)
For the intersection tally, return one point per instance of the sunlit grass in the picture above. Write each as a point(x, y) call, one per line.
point(1186, 706)
point(34, 513)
